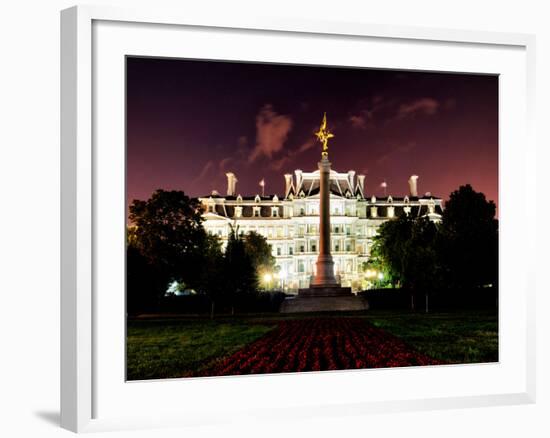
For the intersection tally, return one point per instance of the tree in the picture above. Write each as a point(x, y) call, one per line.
point(469, 244)
point(240, 277)
point(259, 252)
point(389, 250)
point(142, 282)
point(422, 269)
point(167, 231)
point(211, 280)
point(405, 251)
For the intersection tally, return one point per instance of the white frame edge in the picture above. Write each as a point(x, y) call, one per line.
point(77, 196)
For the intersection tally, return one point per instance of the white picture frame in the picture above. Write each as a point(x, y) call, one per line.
point(83, 317)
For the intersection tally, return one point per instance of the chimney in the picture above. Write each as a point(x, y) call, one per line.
point(288, 183)
point(231, 183)
point(298, 179)
point(361, 183)
point(412, 185)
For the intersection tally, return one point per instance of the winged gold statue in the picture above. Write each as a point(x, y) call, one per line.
point(324, 135)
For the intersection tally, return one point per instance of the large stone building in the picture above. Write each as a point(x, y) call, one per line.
point(290, 222)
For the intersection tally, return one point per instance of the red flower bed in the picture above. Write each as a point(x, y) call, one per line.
point(320, 344)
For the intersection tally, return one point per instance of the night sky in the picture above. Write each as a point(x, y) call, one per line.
point(190, 122)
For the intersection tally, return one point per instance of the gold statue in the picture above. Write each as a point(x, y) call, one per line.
point(323, 135)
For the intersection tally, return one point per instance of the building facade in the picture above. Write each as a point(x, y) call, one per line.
point(290, 222)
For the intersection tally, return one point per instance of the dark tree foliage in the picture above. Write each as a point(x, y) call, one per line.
point(143, 285)
point(259, 251)
point(240, 277)
point(469, 243)
point(167, 232)
point(422, 266)
point(389, 251)
point(212, 272)
point(461, 252)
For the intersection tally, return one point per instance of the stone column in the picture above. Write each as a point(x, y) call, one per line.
point(325, 265)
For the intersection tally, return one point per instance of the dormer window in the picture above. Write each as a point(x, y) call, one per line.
point(275, 198)
point(257, 198)
point(373, 199)
point(239, 198)
point(390, 200)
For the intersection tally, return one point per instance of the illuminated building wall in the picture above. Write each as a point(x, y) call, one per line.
point(290, 222)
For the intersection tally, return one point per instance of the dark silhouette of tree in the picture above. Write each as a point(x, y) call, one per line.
point(240, 278)
point(469, 244)
point(259, 251)
point(143, 285)
point(422, 265)
point(212, 273)
point(460, 252)
point(389, 250)
point(167, 231)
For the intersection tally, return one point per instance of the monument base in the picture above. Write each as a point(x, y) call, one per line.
point(333, 298)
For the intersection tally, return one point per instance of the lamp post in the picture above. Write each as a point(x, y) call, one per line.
point(267, 280)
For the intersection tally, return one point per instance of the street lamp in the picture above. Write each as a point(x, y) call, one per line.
point(267, 279)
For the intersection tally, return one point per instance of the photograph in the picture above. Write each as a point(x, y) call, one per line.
point(287, 218)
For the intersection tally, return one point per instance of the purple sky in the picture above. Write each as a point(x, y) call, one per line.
point(190, 122)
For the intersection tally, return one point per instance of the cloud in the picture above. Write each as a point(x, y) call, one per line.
point(371, 108)
point(306, 146)
point(271, 133)
point(279, 163)
point(358, 121)
point(224, 162)
point(400, 149)
point(424, 106)
point(207, 168)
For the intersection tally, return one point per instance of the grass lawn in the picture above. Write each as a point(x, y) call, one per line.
point(458, 337)
point(173, 347)
point(167, 348)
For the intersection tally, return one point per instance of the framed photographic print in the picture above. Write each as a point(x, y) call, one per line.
point(291, 218)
